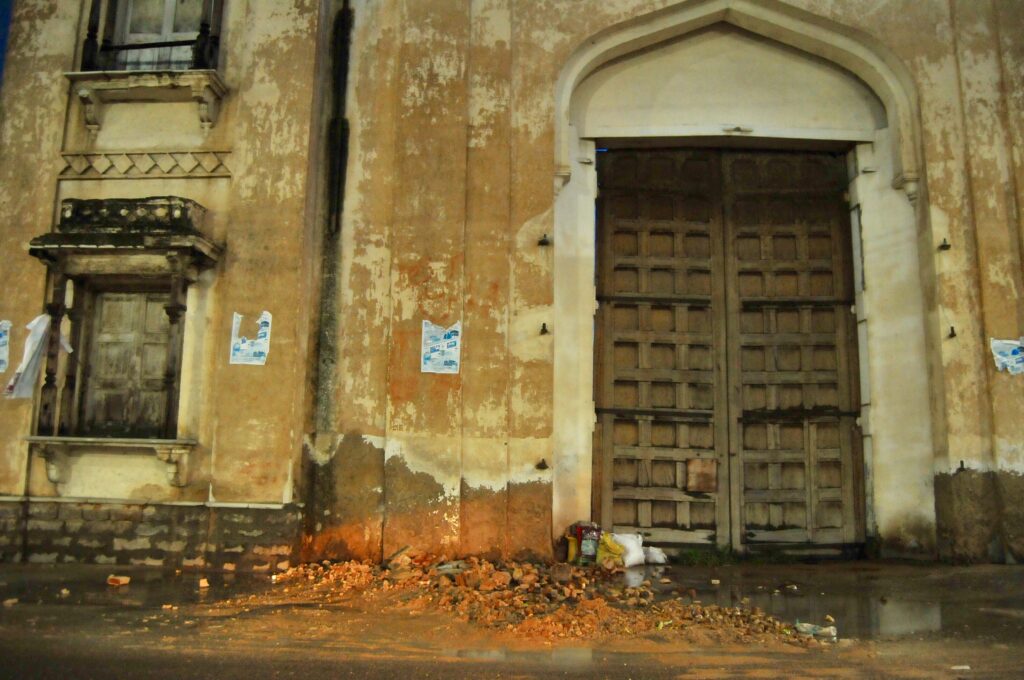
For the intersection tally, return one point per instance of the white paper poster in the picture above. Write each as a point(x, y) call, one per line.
point(251, 351)
point(23, 384)
point(5, 344)
point(441, 348)
point(1009, 355)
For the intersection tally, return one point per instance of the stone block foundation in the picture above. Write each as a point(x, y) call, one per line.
point(980, 517)
point(158, 535)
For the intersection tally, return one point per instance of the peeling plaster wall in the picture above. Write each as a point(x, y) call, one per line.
point(257, 434)
point(40, 49)
point(451, 185)
point(249, 421)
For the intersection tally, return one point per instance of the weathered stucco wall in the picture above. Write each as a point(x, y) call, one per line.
point(250, 171)
point(40, 48)
point(450, 186)
point(453, 119)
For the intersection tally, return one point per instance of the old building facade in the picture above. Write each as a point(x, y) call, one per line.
point(726, 274)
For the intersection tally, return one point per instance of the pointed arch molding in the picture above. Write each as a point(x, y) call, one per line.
point(853, 50)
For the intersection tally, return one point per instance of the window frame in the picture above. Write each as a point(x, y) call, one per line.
point(107, 40)
point(88, 288)
point(129, 60)
point(149, 244)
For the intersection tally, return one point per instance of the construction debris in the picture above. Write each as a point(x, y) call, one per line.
point(534, 600)
point(115, 580)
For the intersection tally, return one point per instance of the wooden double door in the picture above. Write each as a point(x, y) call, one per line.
point(726, 359)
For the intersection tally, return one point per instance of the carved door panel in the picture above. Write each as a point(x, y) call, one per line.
point(725, 354)
point(660, 372)
point(125, 394)
point(792, 348)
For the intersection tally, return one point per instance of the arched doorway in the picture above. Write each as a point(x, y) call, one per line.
point(705, 433)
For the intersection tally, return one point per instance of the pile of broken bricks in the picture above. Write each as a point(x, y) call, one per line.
point(528, 600)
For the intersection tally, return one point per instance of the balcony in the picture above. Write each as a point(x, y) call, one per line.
point(131, 56)
point(91, 230)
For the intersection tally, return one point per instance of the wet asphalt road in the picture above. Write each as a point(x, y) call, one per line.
point(925, 620)
point(62, 665)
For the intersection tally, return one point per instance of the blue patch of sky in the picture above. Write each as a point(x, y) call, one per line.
point(5, 20)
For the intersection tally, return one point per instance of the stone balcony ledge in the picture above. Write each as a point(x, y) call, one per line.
point(160, 226)
point(96, 89)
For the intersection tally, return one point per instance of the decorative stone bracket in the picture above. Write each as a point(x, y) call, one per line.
point(908, 183)
point(57, 451)
point(95, 89)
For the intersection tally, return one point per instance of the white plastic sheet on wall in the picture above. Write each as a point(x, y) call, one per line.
point(251, 351)
point(1008, 355)
point(441, 348)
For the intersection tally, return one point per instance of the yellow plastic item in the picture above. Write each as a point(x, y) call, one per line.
point(574, 549)
point(609, 552)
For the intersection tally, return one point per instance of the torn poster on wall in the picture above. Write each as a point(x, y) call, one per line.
point(5, 344)
point(251, 351)
point(1009, 355)
point(441, 348)
point(23, 384)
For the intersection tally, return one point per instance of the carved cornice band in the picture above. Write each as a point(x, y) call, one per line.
point(141, 164)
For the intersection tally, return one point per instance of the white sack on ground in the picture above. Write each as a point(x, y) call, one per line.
point(634, 551)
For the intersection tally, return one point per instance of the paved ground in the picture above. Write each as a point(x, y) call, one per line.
point(895, 620)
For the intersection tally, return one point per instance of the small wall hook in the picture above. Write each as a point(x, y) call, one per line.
point(945, 245)
point(952, 332)
point(544, 329)
point(542, 465)
point(544, 241)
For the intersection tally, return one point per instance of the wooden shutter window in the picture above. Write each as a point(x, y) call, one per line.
point(125, 393)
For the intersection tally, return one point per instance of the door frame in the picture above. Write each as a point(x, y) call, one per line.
point(906, 437)
point(884, 493)
point(725, 298)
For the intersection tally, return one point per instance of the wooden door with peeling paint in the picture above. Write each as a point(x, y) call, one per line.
point(125, 391)
point(725, 372)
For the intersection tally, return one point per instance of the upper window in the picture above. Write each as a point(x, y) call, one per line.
point(154, 22)
point(152, 35)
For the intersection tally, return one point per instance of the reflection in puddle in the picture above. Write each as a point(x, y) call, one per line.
point(863, 605)
point(857, 616)
point(896, 617)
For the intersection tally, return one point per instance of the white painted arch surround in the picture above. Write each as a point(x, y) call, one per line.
point(896, 420)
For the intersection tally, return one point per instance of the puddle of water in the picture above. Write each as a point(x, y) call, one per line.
point(560, 658)
point(148, 588)
point(864, 604)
